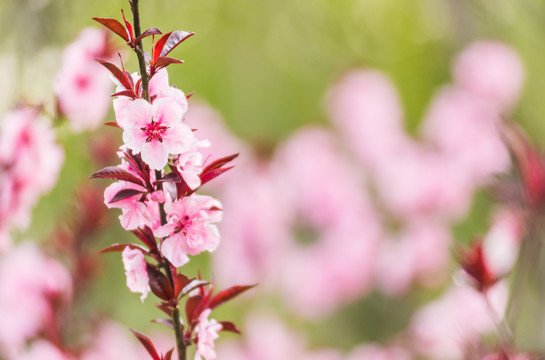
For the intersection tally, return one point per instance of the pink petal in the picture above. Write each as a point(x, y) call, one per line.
point(155, 154)
point(172, 250)
point(167, 112)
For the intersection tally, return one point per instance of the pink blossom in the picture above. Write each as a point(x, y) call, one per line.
point(113, 342)
point(82, 86)
point(189, 229)
point(444, 328)
point(155, 130)
point(207, 332)
point(27, 148)
point(41, 349)
point(189, 164)
point(30, 281)
point(135, 213)
point(490, 70)
point(136, 271)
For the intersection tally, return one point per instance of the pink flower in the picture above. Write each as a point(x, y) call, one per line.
point(82, 86)
point(41, 349)
point(207, 332)
point(30, 281)
point(155, 130)
point(135, 213)
point(490, 70)
point(378, 352)
point(189, 228)
point(112, 342)
point(136, 271)
point(190, 165)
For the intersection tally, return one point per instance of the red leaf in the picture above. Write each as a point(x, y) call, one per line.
point(112, 124)
point(168, 355)
point(147, 344)
point(128, 25)
point(213, 174)
point(121, 247)
point(216, 164)
point(227, 294)
point(195, 284)
point(171, 177)
point(165, 308)
point(191, 306)
point(117, 173)
point(180, 282)
point(117, 73)
point(168, 42)
point(159, 283)
point(125, 194)
point(164, 61)
point(128, 93)
point(148, 32)
point(229, 326)
point(146, 236)
point(114, 26)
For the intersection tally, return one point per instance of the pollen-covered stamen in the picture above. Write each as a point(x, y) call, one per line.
point(182, 225)
point(154, 131)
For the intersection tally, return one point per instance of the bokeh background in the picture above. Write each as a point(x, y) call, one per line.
point(266, 68)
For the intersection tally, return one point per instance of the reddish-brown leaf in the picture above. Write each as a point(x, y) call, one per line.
point(210, 175)
point(168, 42)
point(192, 305)
point(195, 284)
point(229, 326)
point(112, 124)
point(171, 177)
point(165, 308)
point(121, 247)
point(146, 236)
point(125, 194)
point(114, 26)
point(147, 344)
point(164, 61)
point(159, 283)
point(167, 322)
point(128, 93)
point(117, 73)
point(216, 164)
point(227, 294)
point(180, 282)
point(117, 173)
point(148, 32)
point(128, 25)
point(168, 355)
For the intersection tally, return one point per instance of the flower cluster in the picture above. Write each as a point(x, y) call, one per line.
point(161, 169)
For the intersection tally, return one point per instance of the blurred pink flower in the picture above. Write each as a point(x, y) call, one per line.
point(490, 70)
point(136, 271)
point(113, 342)
point(30, 282)
point(444, 328)
point(155, 130)
point(82, 86)
point(207, 333)
point(42, 350)
point(189, 229)
point(27, 148)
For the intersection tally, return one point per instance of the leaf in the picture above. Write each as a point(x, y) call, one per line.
point(121, 247)
point(114, 26)
point(180, 282)
point(227, 294)
point(165, 308)
point(117, 73)
point(168, 42)
point(147, 344)
point(159, 283)
point(128, 93)
point(112, 124)
point(164, 61)
point(216, 164)
point(229, 326)
point(192, 286)
point(168, 355)
point(191, 305)
point(125, 194)
point(146, 236)
point(117, 173)
point(148, 32)
point(213, 174)
point(167, 322)
point(171, 177)
point(129, 27)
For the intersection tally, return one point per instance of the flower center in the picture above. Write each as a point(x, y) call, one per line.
point(154, 131)
point(183, 224)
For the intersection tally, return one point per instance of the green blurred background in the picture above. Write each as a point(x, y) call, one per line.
point(266, 66)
